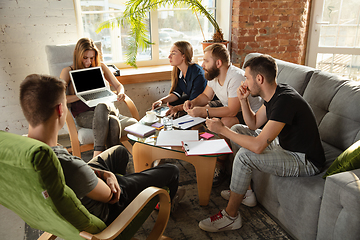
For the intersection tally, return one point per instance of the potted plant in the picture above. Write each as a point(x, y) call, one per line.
point(135, 15)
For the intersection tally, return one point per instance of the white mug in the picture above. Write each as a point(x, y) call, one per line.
point(150, 116)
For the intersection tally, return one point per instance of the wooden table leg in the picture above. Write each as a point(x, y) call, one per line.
point(144, 155)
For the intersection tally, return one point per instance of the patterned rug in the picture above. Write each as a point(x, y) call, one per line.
point(183, 223)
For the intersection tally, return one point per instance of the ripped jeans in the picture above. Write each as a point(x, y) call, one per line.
point(105, 124)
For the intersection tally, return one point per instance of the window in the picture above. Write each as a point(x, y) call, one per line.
point(168, 25)
point(334, 44)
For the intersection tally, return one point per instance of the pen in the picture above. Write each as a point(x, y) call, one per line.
point(207, 112)
point(186, 121)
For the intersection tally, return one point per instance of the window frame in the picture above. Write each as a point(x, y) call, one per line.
point(223, 12)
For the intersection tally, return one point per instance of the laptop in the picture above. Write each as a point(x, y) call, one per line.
point(90, 86)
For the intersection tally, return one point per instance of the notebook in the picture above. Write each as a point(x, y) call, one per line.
point(187, 121)
point(90, 86)
point(141, 130)
point(206, 147)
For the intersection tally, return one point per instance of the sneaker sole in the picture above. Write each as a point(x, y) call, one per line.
point(204, 227)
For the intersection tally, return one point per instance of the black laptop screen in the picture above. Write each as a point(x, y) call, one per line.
point(88, 80)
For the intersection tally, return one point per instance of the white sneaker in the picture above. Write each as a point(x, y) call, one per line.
point(221, 222)
point(249, 198)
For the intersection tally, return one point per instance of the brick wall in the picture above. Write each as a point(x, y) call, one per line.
point(275, 27)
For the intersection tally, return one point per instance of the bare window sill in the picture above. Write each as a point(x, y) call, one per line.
point(145, 74)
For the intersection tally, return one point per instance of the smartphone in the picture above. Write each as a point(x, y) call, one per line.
point(161, 111)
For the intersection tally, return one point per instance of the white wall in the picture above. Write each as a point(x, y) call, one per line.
point(26, 27)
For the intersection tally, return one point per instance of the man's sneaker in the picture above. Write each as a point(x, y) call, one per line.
point(177, 198)
point(249, 198)
point(221, 222)
point(175, 202)
point(219, 177)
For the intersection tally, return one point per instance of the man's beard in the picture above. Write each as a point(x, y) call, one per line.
point(255, 93)
point(212, 73)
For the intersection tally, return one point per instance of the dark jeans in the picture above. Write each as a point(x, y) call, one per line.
point(115, 160)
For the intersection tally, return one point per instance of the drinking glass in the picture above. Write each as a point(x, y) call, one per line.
point(168, 123)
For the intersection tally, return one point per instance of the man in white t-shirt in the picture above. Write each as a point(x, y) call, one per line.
point(223, 81)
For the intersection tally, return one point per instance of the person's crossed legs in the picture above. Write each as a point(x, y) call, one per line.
point(274, 160)
point(115, 160)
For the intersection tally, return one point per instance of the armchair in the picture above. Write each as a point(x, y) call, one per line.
point(82, 139)
point(32, 185)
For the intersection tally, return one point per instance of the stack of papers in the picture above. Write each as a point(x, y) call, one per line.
point(206, 147)
point(187, 121)
point(175, 137)
point(141, 130)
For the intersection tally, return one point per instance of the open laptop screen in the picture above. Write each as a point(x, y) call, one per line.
point(88, 79)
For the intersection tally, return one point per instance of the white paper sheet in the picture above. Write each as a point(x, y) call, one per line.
point(175, 137)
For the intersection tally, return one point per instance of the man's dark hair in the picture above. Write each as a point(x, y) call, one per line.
point(264, 65)
point(39, 95)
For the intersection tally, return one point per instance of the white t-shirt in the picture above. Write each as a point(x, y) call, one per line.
point(234, 77)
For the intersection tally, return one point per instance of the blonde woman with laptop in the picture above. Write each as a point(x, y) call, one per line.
point(104, 118)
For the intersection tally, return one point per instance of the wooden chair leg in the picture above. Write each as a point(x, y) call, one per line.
point(47, 236)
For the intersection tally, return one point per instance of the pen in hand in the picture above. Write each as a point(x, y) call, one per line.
point(207, 112)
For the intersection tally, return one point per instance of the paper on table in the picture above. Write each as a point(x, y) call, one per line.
point(175, 137)
point(187, 121)
point(207, 147)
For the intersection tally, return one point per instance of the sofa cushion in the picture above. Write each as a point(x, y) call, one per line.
point(295, 75)
point(348, 160)
point(340, 207)
point(294, 201)
point(338, 120)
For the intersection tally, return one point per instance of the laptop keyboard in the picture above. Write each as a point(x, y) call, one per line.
point(96, 95)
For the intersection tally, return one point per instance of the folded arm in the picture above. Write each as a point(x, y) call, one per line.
point(107, 189)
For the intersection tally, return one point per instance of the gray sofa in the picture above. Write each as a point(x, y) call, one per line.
point(312, 207)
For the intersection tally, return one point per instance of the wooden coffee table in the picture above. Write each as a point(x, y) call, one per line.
point(145, 152)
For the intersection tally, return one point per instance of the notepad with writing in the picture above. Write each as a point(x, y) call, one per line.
point(207, 147)
point(187, 121)
point(141, 130)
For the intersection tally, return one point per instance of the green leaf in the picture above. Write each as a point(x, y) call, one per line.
point(136, 13)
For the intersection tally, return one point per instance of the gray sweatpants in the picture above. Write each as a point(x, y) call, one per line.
point(274, 160)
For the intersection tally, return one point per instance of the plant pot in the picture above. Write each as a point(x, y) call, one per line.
point(206, 44)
